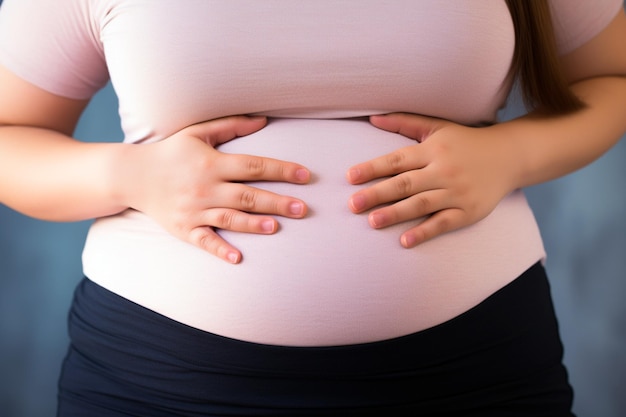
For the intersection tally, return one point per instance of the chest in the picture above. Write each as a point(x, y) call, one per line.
point(178, 63)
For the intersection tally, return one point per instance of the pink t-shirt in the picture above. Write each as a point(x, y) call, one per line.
point(315, 68)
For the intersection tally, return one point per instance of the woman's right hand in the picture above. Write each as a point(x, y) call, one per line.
point(190, 188)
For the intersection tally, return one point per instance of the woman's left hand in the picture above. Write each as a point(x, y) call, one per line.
point(455, 175)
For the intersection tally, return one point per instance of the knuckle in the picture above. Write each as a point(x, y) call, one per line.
point(284, 171)
point(440, 147)
point(226, 219)
point(443, 224)
point(403, 185)
point(205, 160)
point(395, 160)
point(247, 199)
point(422, 204)
point(450, 172)
point(204, 239)
point(255, 166)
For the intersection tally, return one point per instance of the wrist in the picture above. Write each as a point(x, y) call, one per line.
point(507, 156)
point(121, 179)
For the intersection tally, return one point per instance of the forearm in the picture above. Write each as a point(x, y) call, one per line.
point(47, 175)
point(542, 148)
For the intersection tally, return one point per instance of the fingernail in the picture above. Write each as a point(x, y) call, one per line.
point(354, 174)
point(267, 226)
point(232, 257)
point(377, 220)
point(296, 208)
point(357, 202)
point(302, 174)
point(408, 241)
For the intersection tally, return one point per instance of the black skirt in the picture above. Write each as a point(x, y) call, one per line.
point(501, 358)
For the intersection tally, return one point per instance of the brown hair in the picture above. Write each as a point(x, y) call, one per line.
point(535, 60)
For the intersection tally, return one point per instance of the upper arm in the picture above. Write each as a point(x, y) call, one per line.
point(24, 104)
point(51, 61)
point(603, 55)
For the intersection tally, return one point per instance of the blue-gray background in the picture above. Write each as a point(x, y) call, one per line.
point(583, 220)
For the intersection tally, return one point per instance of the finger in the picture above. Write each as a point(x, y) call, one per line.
point(393, 189)
point(414, 207)
point(410, 125)
point(255, 200)
point(258, 168)
point(218, 131)
point(439, 223)
point(238, 221)
point(401, 160)
point(207, 239)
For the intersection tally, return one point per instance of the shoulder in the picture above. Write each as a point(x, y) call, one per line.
point(577, 21)
point(55, 45)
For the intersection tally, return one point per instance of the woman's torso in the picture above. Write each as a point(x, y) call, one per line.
point(315, 68)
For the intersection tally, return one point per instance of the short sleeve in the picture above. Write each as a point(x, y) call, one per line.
point(53, 45)
point(578, 21)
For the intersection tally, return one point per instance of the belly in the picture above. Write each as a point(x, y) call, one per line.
point(327, 279)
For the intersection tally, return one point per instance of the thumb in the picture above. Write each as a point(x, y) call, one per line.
point(412, 126)
point(218, 131)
